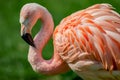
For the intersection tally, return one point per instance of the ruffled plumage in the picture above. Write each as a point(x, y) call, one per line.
point(91, 37)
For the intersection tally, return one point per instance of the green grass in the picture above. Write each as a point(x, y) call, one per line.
point(13, 50)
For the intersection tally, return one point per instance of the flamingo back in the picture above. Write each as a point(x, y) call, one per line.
point(89, 41)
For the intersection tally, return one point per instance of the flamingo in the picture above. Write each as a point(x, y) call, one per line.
point(87, 41)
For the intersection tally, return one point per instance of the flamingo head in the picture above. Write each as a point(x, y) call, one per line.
point(28, 17)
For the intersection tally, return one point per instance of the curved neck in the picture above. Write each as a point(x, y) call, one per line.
point(53, 66)
point(46, 30)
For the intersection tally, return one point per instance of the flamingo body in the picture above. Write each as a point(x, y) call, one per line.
point(87, 41)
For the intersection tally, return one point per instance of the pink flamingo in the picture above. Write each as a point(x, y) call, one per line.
point(87, 41)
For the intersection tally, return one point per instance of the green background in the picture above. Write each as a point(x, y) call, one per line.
point(13, 50)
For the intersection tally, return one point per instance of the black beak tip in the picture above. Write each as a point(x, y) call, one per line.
point(28, 38)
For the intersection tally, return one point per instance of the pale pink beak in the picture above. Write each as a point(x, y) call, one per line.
point(26, 36)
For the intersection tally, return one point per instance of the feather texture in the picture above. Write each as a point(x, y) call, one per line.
point(89, 41)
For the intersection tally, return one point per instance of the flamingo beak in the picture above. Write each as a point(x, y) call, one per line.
point(26, 36)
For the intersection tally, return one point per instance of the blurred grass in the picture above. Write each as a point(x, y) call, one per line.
point(13, 50)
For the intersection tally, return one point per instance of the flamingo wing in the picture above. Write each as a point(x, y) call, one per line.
point(89, 41)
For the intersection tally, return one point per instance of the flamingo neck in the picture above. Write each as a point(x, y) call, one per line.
point(53, 66)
